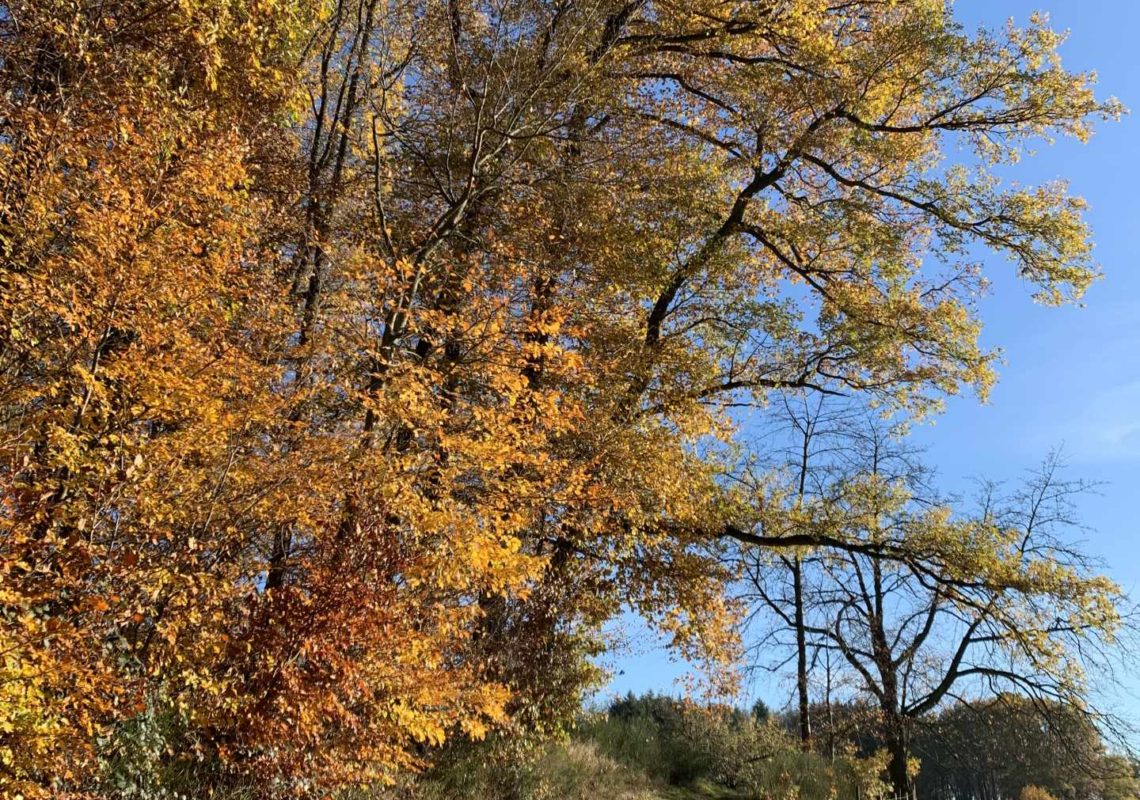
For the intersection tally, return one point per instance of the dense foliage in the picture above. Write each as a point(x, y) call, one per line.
point(359, 359)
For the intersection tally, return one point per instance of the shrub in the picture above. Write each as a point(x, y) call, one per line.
point(669, 740)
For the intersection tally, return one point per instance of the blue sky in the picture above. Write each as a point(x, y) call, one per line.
point(1071, 376)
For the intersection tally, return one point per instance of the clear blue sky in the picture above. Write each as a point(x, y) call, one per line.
point(1071, 376)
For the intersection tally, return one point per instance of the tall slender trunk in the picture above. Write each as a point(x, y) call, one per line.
point(808, 431)
point(801, 655)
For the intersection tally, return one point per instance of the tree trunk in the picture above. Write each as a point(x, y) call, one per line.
point(898, 748)
point(801, 656)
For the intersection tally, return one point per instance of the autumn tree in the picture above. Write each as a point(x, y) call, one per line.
point(359, 359)
point(134, 324)
point(926, 605)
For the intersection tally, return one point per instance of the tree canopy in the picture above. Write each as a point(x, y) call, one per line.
point(358, 359)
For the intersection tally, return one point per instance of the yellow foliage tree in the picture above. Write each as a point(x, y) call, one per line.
point(358, 359)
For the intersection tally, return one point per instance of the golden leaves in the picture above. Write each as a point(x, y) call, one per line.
point(329, 420)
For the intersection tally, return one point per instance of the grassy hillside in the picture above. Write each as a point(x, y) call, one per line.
point(574, 770)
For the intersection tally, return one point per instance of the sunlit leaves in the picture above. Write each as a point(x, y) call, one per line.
point(360, 359)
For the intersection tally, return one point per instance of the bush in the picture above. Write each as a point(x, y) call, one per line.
point(1032, 792)
point(154, 756)
point(669, 740)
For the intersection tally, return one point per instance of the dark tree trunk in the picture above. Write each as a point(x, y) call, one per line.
point(899, 750)
point(801, 657)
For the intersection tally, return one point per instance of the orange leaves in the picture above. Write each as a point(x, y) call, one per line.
point(326, 420)
point(123, 244)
